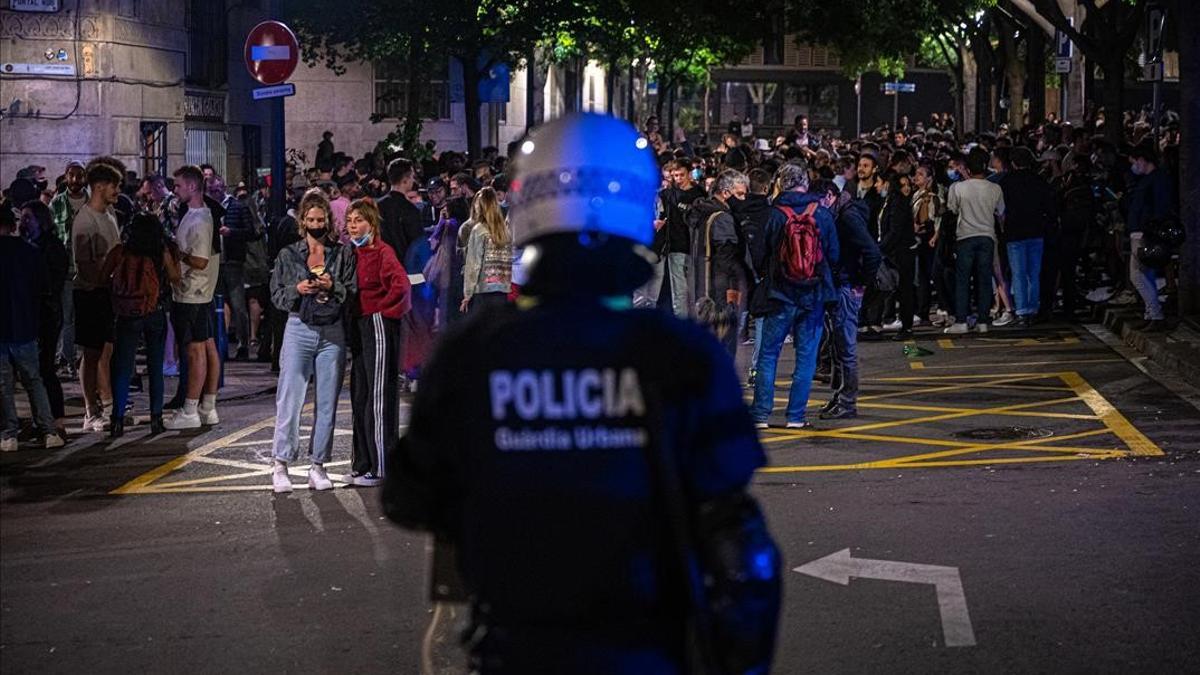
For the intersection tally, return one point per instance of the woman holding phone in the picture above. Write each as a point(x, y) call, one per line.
point(312, 280)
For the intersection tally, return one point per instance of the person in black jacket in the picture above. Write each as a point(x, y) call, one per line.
point(590, 463)
point(898, 241)
point(23, 284)
point(1031, 214)
point(400, 222)
point(856, 267)
point(672, 241)
point(37, 227)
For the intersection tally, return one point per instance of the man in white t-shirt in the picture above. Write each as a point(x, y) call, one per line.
point(979, 203)
point(191, 311)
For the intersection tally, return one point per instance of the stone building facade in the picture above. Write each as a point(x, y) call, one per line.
point(155, 83)
point(160, 83)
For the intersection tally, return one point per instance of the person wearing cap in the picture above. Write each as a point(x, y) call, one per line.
point(584, 457)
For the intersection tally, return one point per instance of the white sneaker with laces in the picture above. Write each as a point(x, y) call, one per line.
point(53, 441)
point(280, 481)
point(1005, 319)
point(9, 445)
point(209, 417)
point(956, 329)
point(182, 420)
point(318, 479)
point(893, 326)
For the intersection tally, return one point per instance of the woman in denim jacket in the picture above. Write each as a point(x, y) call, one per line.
point(312, 280)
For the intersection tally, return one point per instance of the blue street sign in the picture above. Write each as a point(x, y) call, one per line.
point(493, 86)
point(899, 87)
point(276, 91)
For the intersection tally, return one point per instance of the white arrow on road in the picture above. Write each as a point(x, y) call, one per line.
point(952, 601)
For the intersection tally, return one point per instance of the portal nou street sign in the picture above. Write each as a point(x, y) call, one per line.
point(271, 52)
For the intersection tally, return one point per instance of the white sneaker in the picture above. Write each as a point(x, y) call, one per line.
point(1005, 319)
point(916, 320)
point(280, 481)
point(53, 441)
point(209, 417)
point(799, 425)
point(956, 329)
point(760, 425)
point(895, 325)
point(182, 420)
point(9, 445)
point(89, 424)
point(981, 328)
point(318, 479)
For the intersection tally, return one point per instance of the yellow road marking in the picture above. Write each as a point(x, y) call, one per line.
point(1112, 417)
point(972, 412)
point(1014, 364)
point(917, 365)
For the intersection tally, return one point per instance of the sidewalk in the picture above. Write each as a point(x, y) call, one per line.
point(1177, 350)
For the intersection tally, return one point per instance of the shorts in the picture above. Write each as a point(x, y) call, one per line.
point(192, 322)
point(93, 318)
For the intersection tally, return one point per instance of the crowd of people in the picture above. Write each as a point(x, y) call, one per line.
point(806, 238)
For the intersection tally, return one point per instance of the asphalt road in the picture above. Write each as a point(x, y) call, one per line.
point(1045, 487)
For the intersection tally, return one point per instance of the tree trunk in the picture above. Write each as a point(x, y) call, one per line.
point(418, 75)
point(1035, 74)
point(610, 85)
point(471, 77)
point(660, 101)
point(1189, 182)
point(1015, 76)
point(1114, 98)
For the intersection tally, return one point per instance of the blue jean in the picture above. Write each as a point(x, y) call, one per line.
point(1025, 259)
point(674, 264)
point(804, 323)
point(973, 258)
point(308, 352)
point(843, 325)
point(758, 328)
point(21, 360)
point(153, 329)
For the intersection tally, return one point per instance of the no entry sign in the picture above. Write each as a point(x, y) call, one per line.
point(271, 52)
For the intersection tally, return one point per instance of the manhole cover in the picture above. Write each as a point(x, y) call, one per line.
point(1004, 433)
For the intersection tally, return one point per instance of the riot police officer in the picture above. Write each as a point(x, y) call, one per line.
point(589, 461)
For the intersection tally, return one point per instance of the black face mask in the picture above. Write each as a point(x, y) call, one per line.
point(318, 233)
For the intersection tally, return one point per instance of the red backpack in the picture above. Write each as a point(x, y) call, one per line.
point(134, 286)
point(800, 250)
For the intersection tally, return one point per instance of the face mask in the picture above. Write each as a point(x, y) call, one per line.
point(697, 174)
point(952, 174)
point(421, 206)
point(318, 233)
point(840, 182)
point(359, 241)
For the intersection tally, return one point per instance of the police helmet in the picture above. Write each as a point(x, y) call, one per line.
point(584, 173)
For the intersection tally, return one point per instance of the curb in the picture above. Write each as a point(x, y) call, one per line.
point(1177, 350)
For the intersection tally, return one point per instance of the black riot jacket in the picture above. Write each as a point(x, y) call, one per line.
point(531, 447)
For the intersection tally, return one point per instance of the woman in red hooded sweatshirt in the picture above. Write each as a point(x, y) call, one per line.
point(383, 298)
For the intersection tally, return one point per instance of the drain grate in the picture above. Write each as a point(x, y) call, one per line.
point(1004, 433)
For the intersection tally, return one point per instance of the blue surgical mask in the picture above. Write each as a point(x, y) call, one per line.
point(361, 241)
point(952, 174)
point(421, 206)
point(697, 174)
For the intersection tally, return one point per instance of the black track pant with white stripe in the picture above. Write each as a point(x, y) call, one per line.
point(375, 392)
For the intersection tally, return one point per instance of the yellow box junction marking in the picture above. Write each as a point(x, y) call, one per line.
point(1064, 387)
point(953, 452)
